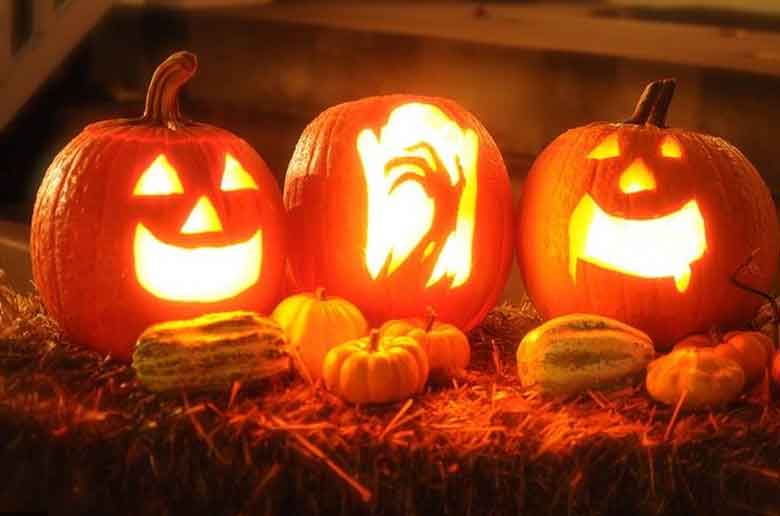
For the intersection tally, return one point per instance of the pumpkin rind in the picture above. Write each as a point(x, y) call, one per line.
point(315, 324)
point(85, 216)
point(210, 352)
point(577, 352)
point(735, 204)
point(705, 378)
point(376, 369)
point(325, 196)
point(446, 347)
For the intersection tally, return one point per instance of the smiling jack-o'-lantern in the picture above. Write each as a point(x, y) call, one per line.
point(399, 203)
point(645, 224)
point(156, 218)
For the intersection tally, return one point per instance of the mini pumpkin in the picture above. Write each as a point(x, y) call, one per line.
point(776, 368)
point(445, 345)
point(752, 350)
point(376, 369)
point(636, 221)
point(387, 196)
point(315, 323)
point(701, 376)
point(155, 218)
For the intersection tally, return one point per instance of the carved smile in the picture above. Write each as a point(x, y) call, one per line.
point(201, 274)
point(650, 248)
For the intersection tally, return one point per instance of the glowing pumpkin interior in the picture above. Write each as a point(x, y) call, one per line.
point(202, 274)
point(661, 247)
point(421, 181)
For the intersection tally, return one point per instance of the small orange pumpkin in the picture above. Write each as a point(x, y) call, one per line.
point(445, 345)
point(750, 349)
point(776, 368)
point(314, 324)
point(376, 369)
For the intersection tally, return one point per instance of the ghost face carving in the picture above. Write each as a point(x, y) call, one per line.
point(390, 204)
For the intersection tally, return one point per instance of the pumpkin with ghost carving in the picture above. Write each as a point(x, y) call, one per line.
point(646, 224)
point(156, 218)
point(400, 203)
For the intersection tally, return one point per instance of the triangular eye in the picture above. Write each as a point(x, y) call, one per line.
point(670, 148)
point(608, 148)
point(159, 179)
point(235, 177)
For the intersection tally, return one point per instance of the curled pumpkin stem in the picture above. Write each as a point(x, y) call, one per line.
point(653, 105)
point(766, 295)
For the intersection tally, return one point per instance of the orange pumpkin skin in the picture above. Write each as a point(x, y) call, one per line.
point(326, 198)
point(752, 350)
point(86, 215)
point(735, 205)
point(776, 368)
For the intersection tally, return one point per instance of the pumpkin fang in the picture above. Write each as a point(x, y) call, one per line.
point(649, 248)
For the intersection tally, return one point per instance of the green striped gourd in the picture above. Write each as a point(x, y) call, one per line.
point(210, 352)
point(577, 352)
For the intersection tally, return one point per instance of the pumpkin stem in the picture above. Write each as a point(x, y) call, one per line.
point(319, 293)
point(661, 106)
point(373, 341)
point(162, 97)
point(430, 319)
point(653, 105)
point(772, 301)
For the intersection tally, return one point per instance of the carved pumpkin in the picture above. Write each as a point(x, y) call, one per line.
point(645, 224)
point(376, 369)
point(750, 349)
point(445, 345)
point(156, 218)
point(399, 203)
point(315, 323)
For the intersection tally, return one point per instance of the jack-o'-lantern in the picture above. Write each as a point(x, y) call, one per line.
point(157, 218)
point(645, 224)
point(399, 203)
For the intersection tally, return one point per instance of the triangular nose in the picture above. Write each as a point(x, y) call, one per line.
point(202, 219)
point(636, 178)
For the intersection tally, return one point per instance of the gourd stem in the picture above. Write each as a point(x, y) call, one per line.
point(373, 341)
point(761, 293)
point(653, 105)
point(431, 318)
point(162, 97)
point(661, 107)
point(319, 293)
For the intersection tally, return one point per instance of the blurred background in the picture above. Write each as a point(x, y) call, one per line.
point(528, 69)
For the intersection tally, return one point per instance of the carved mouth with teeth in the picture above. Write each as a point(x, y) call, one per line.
point(653, 248)
point(202, 274)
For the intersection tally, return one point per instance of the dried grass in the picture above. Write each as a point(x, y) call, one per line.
point(79, 435)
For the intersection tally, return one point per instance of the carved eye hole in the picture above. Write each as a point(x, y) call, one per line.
point(608, 148)
point(235, 177)
point(159, 179)
point(670, 148)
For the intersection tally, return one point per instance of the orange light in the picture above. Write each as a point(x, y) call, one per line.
point(202, 219)
point(419, 146)
point(636, 178)
point(608, 148)
point(651, 248)
point(159, 179)
point(202, 274)
point(670, 148)
point(235, 177)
